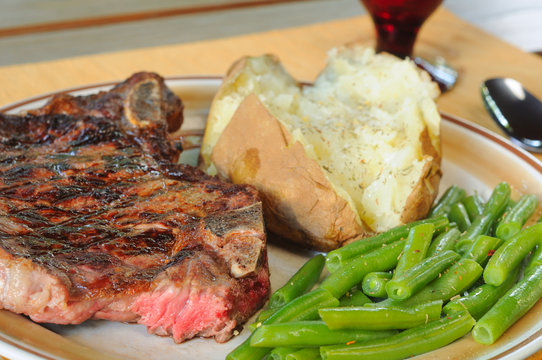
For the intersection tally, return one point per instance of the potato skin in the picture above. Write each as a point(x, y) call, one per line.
point(299, 202)
point(425, 191)
point(229, 84)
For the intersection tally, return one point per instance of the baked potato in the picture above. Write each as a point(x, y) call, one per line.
point(354, 154)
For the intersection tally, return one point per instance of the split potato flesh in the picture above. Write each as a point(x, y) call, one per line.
point(354, 154)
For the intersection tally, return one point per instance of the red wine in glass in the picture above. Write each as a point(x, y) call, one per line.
point(397, 23)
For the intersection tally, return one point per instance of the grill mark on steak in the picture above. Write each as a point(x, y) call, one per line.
point(98, 221)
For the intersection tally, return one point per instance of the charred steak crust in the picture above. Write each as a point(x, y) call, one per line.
point(97, 220)
point(110, 103)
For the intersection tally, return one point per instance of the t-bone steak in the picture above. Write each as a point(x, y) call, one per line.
point(98, 221)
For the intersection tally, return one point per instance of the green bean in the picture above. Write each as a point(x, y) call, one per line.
point(418, 276)
point(280, 353)
point(304, 354)
point(474, 204)
point(535, 259)
point(309, 333)
point(383, 259)
point(304, 307)
point(513, 305)
point(338, 258)
point(511, 203)
point(302, 281)
point(406, 344)
point(381, 318)
point(374, 283)
point(481, 225)
point(482, 248)
point(262, 316)
point(354, 297)
point(517, 216)
point(482, 298)
point(416, 247)
point(451, 196)
point(247, 352)
point(458, 214)
point(444, 241)
point(453, 281)
point(511, 253)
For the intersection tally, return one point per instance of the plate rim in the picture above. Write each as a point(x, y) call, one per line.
point(498, 139)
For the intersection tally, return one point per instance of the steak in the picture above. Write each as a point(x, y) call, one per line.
point(99, 221)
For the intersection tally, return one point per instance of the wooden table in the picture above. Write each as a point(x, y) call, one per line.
point(476, 54)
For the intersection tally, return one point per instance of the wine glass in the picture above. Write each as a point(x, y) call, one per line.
point(397, 23)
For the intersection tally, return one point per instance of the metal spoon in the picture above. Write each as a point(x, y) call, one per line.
point(517, 112)
point(440, 71)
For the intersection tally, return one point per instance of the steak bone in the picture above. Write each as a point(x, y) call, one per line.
point(238, 236)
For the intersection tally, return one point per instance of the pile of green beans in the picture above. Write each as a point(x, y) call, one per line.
point(471, 265)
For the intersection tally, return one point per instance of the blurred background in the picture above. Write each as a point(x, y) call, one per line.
point(40, 30)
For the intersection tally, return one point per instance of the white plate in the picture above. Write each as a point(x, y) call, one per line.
point(473, 158)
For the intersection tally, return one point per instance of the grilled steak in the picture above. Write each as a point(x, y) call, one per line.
point(97, 220)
